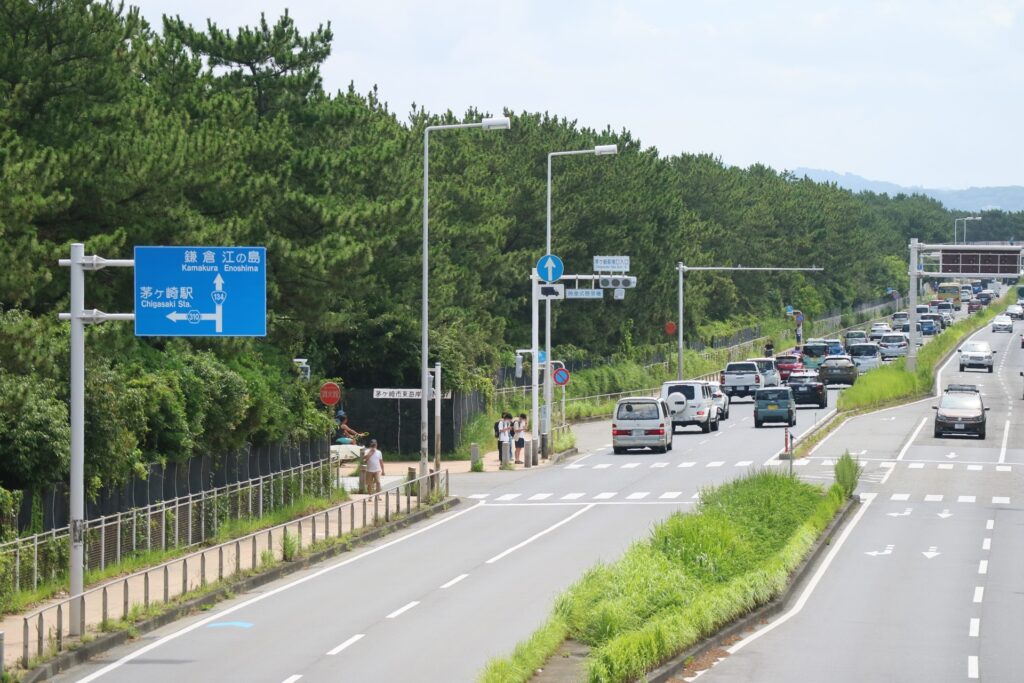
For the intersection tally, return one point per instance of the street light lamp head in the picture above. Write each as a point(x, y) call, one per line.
point(601, 150)
point(974, 218)
point(496, 123)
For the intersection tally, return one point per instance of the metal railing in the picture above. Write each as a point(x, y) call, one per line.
point(45, 631)
point(176, 523)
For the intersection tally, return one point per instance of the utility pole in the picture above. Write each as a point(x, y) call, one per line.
point(912, 337)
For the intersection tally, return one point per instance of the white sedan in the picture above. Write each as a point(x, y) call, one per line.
point(1002, 323)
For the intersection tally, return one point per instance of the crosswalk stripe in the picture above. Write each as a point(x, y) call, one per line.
point(744, 463)
point(659, 464)
point(539, 496)
point(508, 496)
point(917, 466)
point(801, 462)
point(573, 496)
point(946, 466)
point(671, 494)
point(716, 463)
point(827, 463)
point(603, 466)
point(687, 464)
point(478, 496)
point(605, 495)
point(887, 465)
point(1000, 500)
point(933, 498)
point(573, 467)
point(638, 495)
point(974, 468)
point(1003, 468)
point(630, 465)
point(965, 499)
point(900, 496)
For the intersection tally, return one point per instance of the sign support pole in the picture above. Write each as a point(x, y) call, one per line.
point(534, 363)
point(437, 417)
point(682, 277)
point(76, 568)
point(912, 306)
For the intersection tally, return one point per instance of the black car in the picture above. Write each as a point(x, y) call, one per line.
point(960, 412)
point(807, 388)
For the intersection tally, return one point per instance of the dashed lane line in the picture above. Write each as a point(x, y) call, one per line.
point(354, 639)
point(539, 534)
point(402, 610)
point(454, 581)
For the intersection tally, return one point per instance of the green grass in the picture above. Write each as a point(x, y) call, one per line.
point(695, 573)
point(892, 383)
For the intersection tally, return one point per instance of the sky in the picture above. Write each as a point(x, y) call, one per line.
point(917, 92)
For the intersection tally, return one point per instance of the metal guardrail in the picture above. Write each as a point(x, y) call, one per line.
point(46, 630)
point(176, 523)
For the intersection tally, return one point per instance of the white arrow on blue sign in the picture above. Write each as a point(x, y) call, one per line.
point(550, 268)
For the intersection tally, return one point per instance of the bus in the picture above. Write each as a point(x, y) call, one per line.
point(949, 291)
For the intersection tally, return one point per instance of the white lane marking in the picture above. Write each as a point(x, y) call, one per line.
point(263, 596)
point(703, 442)
point(983, 567)
point(671, 494)
point(639, 495)
point(974, 628)
point(1003, 468)
point(539, 496)
point(656, 465)
point(508, 496)
point(478, 496)
point(990, 524)
point(454, 581)
point(1000, 500)
point(537, 535)
point(900, 496)
point(913, 437)
point(972, 666)
point(986, 544)
point(1006, 435)
point(402, 610)
point(733, 426)
point(573, 496)
point(965, 499)
point(945, 466)
point(715, 463)
point(687, 464)
point(354, 639)
point(802, 462)
point(744, 463)
point(745, 419)
point(630, 465)
point(292, 679)
point(916, 466)
point(933, 498)
point(979, 593)
point(806, 594)
point(574, 466)
point(887, 465)
point(827, 463)
point(974, 468)
point(605, 495)
point(602, 466)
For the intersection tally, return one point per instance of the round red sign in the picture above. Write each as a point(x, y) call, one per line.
point(330, 393)
point(670, 327)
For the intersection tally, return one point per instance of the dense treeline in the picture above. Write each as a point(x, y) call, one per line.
point(116, 134)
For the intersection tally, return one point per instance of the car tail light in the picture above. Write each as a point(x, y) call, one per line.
point(655, 432)
point(700, 412)
point(757, 379)
point(621, 432)
point(721, 378)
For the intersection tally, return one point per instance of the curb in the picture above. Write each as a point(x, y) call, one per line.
point(559, 457)
point(107, 641)
point(678, 663)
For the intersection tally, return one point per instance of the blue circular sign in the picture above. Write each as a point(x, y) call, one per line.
point(560, 377)
point(550, 268)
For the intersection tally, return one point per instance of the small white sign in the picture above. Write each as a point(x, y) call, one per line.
point(551, 291)
point(611, 264)
point(397, 393)
point(584, 294)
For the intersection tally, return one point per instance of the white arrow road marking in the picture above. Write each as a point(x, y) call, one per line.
point(901, 514)
point(945, 514)
point(951, 454)
point(876, 553)
point(932, 552)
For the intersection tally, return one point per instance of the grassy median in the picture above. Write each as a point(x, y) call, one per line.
point(696, 573)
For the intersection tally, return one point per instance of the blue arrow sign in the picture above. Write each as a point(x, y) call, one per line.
point(550, 268)
point(789, 310)
point(201, 291)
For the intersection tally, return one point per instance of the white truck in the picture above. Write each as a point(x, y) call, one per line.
point(741, 378)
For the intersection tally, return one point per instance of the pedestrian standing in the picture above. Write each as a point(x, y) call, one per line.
point(504, 437)
point(373, 460)
point(519, 427)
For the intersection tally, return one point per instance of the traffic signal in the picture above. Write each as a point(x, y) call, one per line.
point(617, 281)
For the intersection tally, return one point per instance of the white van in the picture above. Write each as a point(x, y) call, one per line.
point(692, 403)
point(866, 356)
point(641, 422)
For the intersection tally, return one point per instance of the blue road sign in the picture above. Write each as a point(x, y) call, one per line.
point(541, 356)
point(550, 268)
point(789, 310)
point(200, 291)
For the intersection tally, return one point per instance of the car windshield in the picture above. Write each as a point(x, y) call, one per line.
point(648, 410)
point(863, 350)
point(765, 365)
point(815, 350)
point(802, 379)
point(976, 347)
point(772, 395)
point(684, 389)
point(893, 339)
point(856, 334)
point(787, 360)
point(741, 367)
point(961, 401)
point(836, 363)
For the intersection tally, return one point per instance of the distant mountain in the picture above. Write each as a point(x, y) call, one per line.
point(1010, 198)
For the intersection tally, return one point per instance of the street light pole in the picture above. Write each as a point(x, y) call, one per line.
point(497, 123)
point(964, 219)
point(599, 150)
point(682, 271)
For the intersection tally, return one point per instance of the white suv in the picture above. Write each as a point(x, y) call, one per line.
point(769, 371)
point(691, 403)
point(975, 354)
point(1002, 323)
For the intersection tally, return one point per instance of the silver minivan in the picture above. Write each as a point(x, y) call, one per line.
point(865, 356)
point(641, 422)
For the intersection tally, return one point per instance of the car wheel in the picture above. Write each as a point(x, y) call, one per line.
point(618, 451)
point(715, 425)
point(823, 404)
point(938, 434)
point(658, 449)
point(792, 420)
point(981, 434)
point(990, 369)
point(706, 427)
point(961, 368)
point(757, 423)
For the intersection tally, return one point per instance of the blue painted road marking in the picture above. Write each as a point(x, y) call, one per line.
point(229, 624)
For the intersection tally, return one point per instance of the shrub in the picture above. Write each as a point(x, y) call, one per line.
point(848, 471)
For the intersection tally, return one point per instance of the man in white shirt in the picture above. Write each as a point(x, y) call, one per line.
point(374, 462)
